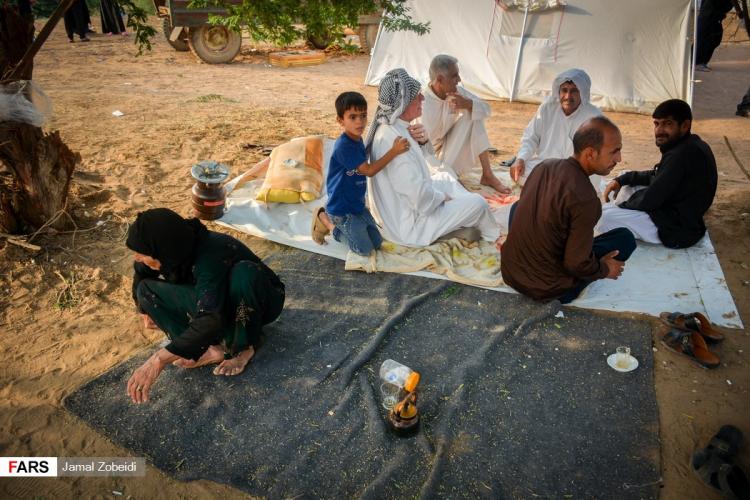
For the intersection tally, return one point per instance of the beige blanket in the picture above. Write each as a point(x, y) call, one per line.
point(475, 264)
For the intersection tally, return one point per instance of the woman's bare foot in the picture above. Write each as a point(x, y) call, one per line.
point(148, 323)
point(213, 355)
point(236, 365)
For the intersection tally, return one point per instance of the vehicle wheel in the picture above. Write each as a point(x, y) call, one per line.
point(181, 44)
point(214, 44)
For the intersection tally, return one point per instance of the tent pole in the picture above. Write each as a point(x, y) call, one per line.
point(518, 55)
point(691, 83)
point(372, 50)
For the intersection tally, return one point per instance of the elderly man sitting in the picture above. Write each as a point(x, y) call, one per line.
point(414, 206)
point(454, 120)
point(549, 134)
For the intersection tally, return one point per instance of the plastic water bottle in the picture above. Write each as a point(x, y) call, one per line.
point(395, 373)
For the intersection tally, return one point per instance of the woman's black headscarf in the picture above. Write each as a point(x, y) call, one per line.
point(164, 235)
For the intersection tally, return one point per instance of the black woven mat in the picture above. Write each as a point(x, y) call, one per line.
point(515, 402)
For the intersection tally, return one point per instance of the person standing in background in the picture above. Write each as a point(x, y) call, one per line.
point(709, 30)
point(76, 21)
point(743, 108)
point(111, 19)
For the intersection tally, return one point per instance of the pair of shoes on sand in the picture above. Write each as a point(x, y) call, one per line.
point(715, 466)
point(702, 67)
point(688, 334)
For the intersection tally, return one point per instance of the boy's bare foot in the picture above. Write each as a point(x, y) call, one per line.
point(494, 183)
point(326, 221)
point(236, 365)
point(213, 355)
point(321, 226)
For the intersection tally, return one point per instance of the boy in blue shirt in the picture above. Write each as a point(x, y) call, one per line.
point(345, 215)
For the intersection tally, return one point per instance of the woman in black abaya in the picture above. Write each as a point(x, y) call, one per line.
point(207, 291)
point(111, 19)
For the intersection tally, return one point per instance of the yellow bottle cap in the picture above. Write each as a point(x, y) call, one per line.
point(411, 382)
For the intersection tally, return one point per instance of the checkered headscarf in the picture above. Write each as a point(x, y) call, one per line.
point(397, 90)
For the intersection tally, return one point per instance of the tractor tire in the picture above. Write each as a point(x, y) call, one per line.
point(181, 44)
point(214, 44)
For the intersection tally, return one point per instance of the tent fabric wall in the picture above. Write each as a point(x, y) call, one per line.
point(637, 52)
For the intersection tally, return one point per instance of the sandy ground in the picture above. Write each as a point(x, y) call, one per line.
point(66, 314)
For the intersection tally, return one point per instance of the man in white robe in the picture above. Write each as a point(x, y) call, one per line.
point(414, 205)
point(549, 134)
point(454, 120)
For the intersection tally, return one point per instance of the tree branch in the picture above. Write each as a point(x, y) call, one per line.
point(28, 57)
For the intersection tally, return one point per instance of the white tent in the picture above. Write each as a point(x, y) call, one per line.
point(637, 52)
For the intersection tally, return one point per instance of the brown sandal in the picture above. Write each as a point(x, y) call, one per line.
point(690, 343)
point(318, 230)
point(695, 322)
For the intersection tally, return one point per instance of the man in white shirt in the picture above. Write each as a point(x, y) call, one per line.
point(454, 120)
point(549, 134)
point(414, 205)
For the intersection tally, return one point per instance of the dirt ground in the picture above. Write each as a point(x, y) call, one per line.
point(66, 315)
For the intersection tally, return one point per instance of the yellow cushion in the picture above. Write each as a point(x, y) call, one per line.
point(295, 172)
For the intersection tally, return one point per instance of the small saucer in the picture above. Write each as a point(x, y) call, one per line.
point(612, 363)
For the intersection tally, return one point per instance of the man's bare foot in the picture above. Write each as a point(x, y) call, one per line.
point(236, 365)
point(213, 355)
point(494, 183)
point(499, 242)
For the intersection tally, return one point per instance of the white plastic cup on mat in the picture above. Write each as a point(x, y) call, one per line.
point(394, 373)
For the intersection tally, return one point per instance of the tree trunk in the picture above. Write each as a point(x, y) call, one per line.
point(16, 36)
point(35, 166)
point(40, 167)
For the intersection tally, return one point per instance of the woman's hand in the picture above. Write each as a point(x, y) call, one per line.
point(144, 377)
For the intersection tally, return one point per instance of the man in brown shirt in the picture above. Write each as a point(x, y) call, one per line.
point(551, 252)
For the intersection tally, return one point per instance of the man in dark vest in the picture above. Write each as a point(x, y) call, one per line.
point(665, 205)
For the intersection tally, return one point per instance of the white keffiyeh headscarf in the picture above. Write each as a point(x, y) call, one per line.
point(396, 91)
point(577, 76)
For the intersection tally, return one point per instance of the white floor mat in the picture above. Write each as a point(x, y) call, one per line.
point(655, 279)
